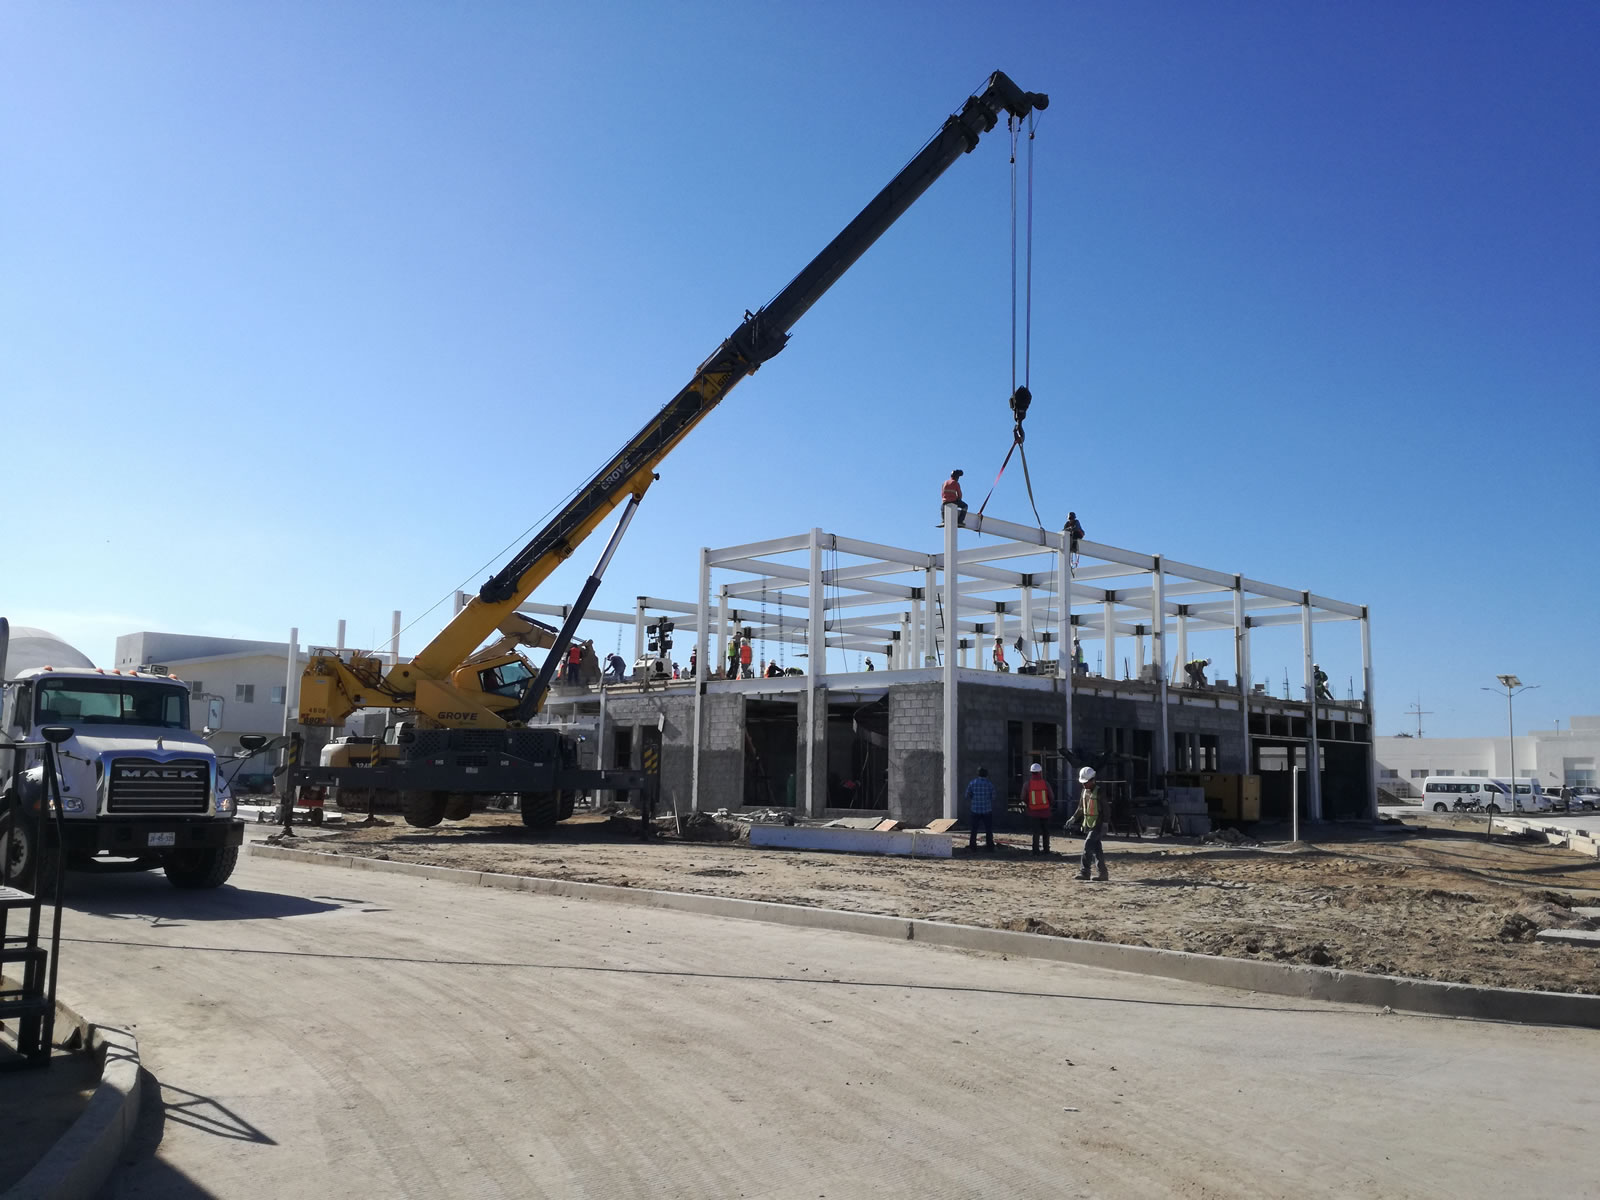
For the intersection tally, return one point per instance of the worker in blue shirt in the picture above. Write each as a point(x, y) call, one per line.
point(980, 803)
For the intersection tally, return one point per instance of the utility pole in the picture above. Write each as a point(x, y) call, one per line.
point(1417, 711)
point(1513, 687)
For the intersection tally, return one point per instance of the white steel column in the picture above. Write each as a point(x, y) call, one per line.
point(1241, 667)
point(1182, 660)
point(1109, 609)
point(394, 639)
point(1065, 667)
point(722, 625)
point(1313, 775)
point(952, 592)
point(702, 643)
point(638, 628)
point(1027, 623)
point(930, 618)
point(1372, 729)
point(1138, 652)
point(339, 644)
point(1158, 652)
point(816, 665)
point(903, 646)
point(290, 676)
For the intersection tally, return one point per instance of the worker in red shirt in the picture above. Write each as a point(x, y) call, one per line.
point(1039, 802)
point(745, 659)
point(574, 664)
point(1000, 663)
point(950, 493)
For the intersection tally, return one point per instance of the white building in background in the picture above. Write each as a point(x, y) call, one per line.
point(1555, 757)
point(235, 686)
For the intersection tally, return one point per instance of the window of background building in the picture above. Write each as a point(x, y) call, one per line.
point(1422, 774)
point(277, 694)
point(1478, 774)
point(244, 693)
point(1387, 773)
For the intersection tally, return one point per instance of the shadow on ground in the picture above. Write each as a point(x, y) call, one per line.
point(148, 897)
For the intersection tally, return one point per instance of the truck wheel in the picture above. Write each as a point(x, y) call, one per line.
point(459, 808)
point(206, 868)
point(541, 810)
point(569, 802)
point(423, 809)
point(28, 862)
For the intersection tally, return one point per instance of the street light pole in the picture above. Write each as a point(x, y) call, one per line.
point(1513, 687)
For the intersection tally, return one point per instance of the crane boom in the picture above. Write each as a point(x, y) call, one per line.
point(629, 473)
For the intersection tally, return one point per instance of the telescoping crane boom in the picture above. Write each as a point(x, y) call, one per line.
point(453, 688)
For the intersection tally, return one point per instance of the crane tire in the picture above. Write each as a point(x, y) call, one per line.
point(423, 809)
point(459, 808)
point(540, 810)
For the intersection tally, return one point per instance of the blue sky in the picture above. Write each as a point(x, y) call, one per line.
point(308, 311)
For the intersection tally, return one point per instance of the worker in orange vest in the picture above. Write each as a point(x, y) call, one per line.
point(574, 663)
point(745, 659)
point(1040, 802)
point(950, 493)
point(1000, 655)
point(1088, 812)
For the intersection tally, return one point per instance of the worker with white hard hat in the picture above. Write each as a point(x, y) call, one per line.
point(1039, 802)
point(1088, 814)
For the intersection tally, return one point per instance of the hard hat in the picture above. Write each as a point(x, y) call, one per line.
point(957, 473)
point(1036, 768)
point(1086, 775)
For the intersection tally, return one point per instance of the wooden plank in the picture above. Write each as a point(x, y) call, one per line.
point(887, 825)
point(942, 825)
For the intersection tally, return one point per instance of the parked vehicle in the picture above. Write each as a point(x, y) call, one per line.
point(1463, 793)
point(135, 782)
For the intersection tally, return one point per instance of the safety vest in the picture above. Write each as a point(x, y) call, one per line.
point(1036, 795)
point(744, 654)
point(951, 492)
point(574, 656)
point(1089, 807)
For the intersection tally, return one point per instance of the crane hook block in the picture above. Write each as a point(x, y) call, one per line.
point(1020, 399)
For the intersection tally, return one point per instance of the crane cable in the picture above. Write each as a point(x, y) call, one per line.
point(1021, 396)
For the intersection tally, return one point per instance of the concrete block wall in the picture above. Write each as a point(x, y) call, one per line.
point(721, 751)
point(916, 752)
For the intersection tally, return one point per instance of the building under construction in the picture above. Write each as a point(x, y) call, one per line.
point(830, 736)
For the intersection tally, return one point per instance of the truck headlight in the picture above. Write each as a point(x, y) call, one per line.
point(72, 804)
point(225, 804)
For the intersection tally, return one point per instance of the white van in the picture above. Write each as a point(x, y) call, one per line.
point(1443, 792)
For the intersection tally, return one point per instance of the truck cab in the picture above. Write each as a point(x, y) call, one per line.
point(135, 781)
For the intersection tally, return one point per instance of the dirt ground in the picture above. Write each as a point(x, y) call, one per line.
point(1434, 901)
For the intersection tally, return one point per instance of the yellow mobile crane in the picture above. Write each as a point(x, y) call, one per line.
point(473, 705)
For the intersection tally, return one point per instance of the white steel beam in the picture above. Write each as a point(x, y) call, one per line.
point(785, 545)
point(951, 602)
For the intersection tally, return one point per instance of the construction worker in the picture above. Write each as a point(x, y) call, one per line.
point(733, 658)
point(745, 659)
point(1000, 654)
point(950, 493)
point(694, 659)
point(616, 669)
point(1079, 665)
point(773, 670)
point(1196, 670)
point(1074, 533)
point(870, 667)
point(1088, 813)
point(980, 804)
point(574, 664)
point(1039, 802)
point(1321, 679)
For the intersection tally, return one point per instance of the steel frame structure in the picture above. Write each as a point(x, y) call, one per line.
point(826, 591)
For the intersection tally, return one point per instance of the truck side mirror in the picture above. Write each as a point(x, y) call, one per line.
point(252, 741)
point(55, 734)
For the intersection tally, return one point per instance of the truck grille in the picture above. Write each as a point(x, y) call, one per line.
point(142, 785)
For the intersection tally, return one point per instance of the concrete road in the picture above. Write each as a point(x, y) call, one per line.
point(316, 1032)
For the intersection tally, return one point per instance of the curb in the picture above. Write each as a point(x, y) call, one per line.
point(82, 1159)
point(1423, 996)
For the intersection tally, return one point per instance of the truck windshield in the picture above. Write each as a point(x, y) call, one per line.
point(111, 702)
